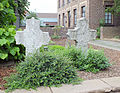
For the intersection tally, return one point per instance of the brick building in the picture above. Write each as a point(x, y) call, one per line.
point(94, 11)
point(47, 19)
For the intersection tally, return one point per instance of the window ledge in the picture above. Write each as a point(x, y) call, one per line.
point(109, 25)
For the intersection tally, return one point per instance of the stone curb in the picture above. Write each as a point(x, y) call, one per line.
point(104, 85)
point(104, 46)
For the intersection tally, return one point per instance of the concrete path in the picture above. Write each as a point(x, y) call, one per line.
point(107, 44)
point(104, 85)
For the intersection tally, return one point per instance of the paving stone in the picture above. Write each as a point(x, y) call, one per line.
point(114, 82)
point(89, 86)
point(2, 91)
point(39, 90)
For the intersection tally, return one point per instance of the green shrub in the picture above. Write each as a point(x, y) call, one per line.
point(96, 61)
point(8, 48)
point(55, 37)
point(56, 47)
point(42, 69)
point(117, 37)
point(98, 32)
point(75, 55)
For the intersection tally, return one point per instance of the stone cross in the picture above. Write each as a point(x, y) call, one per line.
point(82, 34)
point(32, 37)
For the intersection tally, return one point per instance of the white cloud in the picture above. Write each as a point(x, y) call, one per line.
point(43, 6)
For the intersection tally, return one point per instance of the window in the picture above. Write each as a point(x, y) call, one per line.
point(108, 17)
point(63, 2)
point(69, 18)
point(59, 3)
point(83, 11)
point(63, 19)
point(59, 20)
point(68, 1)
point(75, 17)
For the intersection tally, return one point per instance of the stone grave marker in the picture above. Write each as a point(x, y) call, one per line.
point(32, 37)
point(82, 34)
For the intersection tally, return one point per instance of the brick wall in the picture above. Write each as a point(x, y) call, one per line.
point(75, 4)
point(96, 13)
point(51, 31)
point(110, 32)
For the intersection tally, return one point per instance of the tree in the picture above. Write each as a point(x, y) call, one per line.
point(8, 48)
point(32, 14)
point(7, 11)
point(22, 7)
point(7, 15)
point(116, 8)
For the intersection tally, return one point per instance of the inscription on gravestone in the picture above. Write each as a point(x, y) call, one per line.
point(32, 37)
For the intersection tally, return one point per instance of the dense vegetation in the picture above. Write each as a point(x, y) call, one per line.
point(116, 8)
point(43, 69)
point(8, 48)
point(55, 66)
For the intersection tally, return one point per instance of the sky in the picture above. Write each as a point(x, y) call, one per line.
point(43, 6)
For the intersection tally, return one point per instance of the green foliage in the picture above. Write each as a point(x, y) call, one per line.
point(56, 47)
point(98, 32)
point(117, 37)
point(115, 9)
point(75, 55)
point(94, 60)
point(22, 7)
point(32, 14)
point(7, 11)
point(56, 32)
point(42, 69)
point(7, 15)
point(102, 22)
point(55, 37)
point(8, 49)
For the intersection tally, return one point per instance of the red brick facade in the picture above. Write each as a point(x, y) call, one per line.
point(94, 12)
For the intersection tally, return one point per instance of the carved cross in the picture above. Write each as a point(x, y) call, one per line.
point(32, 37)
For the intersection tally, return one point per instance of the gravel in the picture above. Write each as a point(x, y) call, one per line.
point(113, 71)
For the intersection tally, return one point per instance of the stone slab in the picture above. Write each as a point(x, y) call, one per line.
point(2, 91)
point(39, 90)
point(89, 86)
point(114, 82)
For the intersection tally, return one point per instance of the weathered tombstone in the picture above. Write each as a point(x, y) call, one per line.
point(82, 34)
point(32, 37)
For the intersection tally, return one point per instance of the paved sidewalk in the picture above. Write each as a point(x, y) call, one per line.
point(107, 44)
point(104, 85)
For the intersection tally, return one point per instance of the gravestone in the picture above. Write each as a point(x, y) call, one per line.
point(82, 34)
point(32, 37)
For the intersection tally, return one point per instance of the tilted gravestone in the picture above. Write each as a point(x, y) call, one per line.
point(82, 34)
point(32, 37)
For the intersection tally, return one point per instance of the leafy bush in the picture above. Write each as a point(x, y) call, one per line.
point(94, 61)
point(117, 37)
point(98, 32)
point(42, 69)
point(76, 56)
point(8, 48)
point(55, 37)
point(56, 47)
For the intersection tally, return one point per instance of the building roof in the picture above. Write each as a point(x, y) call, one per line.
point(47, 15)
